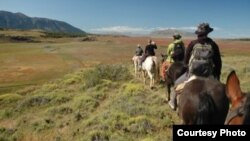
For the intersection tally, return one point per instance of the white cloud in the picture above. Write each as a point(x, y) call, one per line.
point(120, 29)
point(175, 28)
point(140, 30)
point(127, 30)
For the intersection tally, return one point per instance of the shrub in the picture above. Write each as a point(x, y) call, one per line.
point(9, 98)
point(49, 87)
point(140, 125)
point(62, 110)
point(27, 90)
point(108, 72)
point(6, 113)
point(98, 136)
point(43, 125)
point(133, 89)
point(33, 101)
point(86, 103)
point(72, 79)
point(98, 95)
point(60, 99)
point(7, 134)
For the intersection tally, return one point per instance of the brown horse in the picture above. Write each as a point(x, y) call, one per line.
point(239, 112)
point(174, 71)
point(203, 101)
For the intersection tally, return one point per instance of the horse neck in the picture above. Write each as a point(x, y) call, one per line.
point(247, 110)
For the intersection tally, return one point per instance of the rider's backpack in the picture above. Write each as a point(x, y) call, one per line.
point(201, 63)
point(178, 51)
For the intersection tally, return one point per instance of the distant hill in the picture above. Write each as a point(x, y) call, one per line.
point(168, 33)
point(21, 21)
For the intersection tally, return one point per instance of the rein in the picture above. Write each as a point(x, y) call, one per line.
point(234, 113)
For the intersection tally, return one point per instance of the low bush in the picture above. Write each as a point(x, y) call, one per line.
point(9, 98)
point(109, 72)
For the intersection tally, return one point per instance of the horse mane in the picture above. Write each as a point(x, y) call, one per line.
point(247, 110)
point(206, 109)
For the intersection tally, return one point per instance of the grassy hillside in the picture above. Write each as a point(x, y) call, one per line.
point(33, 57)
point(99, 104)
point(56, 89)
point(21, 21)
point(103, 103)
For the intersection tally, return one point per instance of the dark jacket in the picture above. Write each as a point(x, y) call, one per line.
point(138, 51)
point(216, 57)
point(149, 50)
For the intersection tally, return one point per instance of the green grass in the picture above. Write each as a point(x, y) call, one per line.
point(242, 68)
point(117, 107)
point(101, 103)
point(35, 63)
point(44, 95)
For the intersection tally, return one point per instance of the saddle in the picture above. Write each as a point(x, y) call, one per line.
point(179, 88)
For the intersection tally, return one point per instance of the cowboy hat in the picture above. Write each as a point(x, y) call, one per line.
point(203, 29)
point(177, 36)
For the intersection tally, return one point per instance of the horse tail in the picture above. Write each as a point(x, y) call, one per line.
point(206, 109)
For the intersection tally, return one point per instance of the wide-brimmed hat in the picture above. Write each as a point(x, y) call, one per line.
point(177, 36)
point(203, 29)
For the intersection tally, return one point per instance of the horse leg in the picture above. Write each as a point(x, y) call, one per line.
point(153, 81)
point(135, 72)
point(151, 76)
point(144, 77)
point(135, 69)
point(168, 91)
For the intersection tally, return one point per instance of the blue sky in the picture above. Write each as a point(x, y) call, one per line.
point(229, 18)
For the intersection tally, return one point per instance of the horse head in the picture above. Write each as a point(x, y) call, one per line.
point(239, 112)
point(163, 57)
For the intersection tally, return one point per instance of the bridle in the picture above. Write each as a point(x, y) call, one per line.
point(239, 111)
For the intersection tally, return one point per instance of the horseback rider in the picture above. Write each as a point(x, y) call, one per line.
point(139, 50)
point(175, 52)
point(205, 64)
point(149, 50)
point(137, 57)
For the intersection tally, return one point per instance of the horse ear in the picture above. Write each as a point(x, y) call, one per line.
point(233, 89)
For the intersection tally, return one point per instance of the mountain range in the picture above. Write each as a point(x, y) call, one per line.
point(21, 21)
point(168, 33)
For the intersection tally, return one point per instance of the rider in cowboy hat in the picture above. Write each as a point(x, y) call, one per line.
point(202, 32)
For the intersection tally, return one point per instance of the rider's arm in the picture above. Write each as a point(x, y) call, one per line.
point(217, 61)
point(188, 52)
point(170, 52)
point(169, 49)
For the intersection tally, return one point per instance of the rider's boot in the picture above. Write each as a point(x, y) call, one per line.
point(172, 102)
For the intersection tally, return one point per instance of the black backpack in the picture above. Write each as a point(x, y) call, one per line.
point(178, 52)
point(201, 63)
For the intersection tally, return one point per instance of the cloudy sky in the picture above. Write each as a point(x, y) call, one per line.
point(229, 18)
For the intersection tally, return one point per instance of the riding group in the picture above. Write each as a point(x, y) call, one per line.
point(192, 78)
